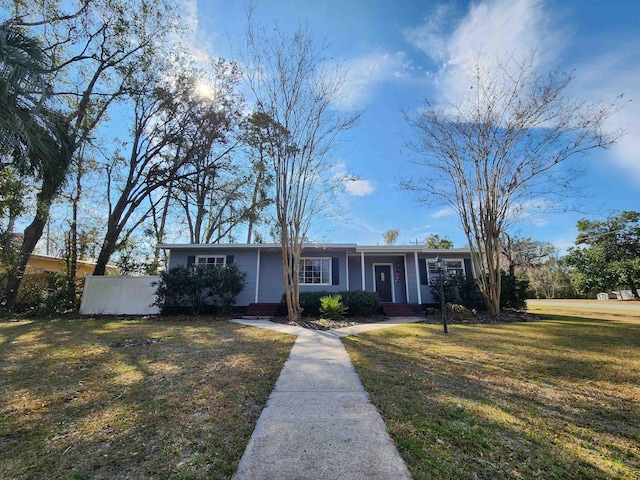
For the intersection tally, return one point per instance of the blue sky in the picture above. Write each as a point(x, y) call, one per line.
point(401, 52)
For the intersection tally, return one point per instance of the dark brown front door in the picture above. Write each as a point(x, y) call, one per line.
point(383, 282)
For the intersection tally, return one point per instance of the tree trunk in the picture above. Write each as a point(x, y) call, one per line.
point(108, 247)
point(254, 201)
point(31, 236)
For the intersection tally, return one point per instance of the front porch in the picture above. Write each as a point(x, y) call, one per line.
point(400, 309)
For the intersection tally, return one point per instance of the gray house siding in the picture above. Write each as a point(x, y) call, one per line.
point(271, 285)
point(246, 261)
point(355, 273)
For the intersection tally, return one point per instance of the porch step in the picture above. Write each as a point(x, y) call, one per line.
point(401, 309)
point(262, 309)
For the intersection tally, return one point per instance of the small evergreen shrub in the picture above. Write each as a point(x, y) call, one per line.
point(360, 303)
point(310, 302)
point(332, 307)
point(45, 293)
point(513, 295)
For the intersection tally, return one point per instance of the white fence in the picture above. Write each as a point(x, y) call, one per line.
point(118, 295)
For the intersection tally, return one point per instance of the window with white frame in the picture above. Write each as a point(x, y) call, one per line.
point(315, 271)
point(454, 267)
point(214, 260)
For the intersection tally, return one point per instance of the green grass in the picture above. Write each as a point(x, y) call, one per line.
point(75, 403)
point(556, 399)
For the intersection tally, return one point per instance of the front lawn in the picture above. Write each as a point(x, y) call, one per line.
point(555, 399)
point(122, 399)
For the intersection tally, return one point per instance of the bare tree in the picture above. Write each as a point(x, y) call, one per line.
point(296, 88)
point(520, 254)
point(390, 236)
point(167, 114)
point(496, 153)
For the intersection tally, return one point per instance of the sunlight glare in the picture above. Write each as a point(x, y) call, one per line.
point(204, 90)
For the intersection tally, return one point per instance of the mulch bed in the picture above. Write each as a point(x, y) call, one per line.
point(326, 324)
point(456, 314)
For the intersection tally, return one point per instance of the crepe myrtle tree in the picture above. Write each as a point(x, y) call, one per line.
point(501, 150)
point(296, 88)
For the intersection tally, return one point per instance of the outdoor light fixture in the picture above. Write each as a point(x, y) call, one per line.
point(441, 265)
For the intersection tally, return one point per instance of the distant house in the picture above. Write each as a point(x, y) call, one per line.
point(399, 274)
point(50, 264)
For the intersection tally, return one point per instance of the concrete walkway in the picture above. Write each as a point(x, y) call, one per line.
point(319, 422)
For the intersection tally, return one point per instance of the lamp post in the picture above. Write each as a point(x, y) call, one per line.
point(441, 265)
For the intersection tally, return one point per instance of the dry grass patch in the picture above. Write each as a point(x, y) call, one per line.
point(131, 399)
point(555, 399)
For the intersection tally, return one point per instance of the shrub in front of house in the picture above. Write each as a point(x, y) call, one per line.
point(194, 289)
point(332, 307)
point(464, 291)
point(358, 303)
point(513, 293)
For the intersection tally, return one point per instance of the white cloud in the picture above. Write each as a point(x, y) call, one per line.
point(359, 188)
point(192, 36)
point(363, 73)
point(431, 38)
point(502, 28)
point(491, 32)
point(605, 77)
point(444, 212)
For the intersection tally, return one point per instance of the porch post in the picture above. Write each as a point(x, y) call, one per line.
point(362, 266)
point(406, 280)
point(257, 276)
point(346, 256)
point(415, 257)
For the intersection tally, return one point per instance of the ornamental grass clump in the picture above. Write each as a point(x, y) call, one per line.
point(332, 307)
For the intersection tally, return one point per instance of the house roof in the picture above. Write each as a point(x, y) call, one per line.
point(349, 247)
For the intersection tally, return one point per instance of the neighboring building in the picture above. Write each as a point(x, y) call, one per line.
point(49, 264)
point(399, 274)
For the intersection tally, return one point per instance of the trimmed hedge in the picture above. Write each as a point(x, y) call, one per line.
point(358, 303)
point(199, 288)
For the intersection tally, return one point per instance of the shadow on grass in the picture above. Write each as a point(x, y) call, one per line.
point(75, 405)
point(534, 400)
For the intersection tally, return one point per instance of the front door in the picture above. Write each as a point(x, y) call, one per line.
point(383, 282)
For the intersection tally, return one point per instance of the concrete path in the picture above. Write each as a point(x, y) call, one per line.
point(319, 422)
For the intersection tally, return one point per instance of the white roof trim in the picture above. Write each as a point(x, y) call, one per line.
point(379, 249)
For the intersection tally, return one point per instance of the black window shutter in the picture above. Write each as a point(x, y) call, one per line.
point(468, 270)
point(229, 259)
point(335, 271)
point(191, 259)
point(422, 265)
